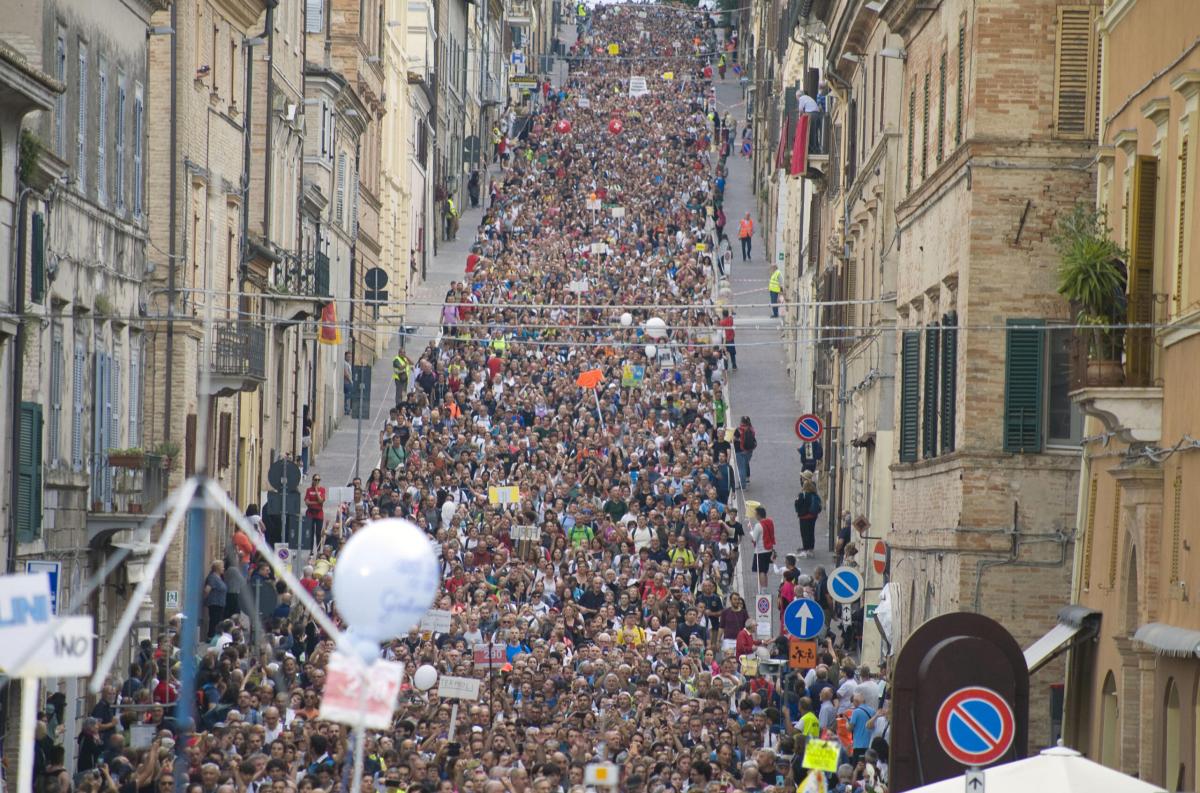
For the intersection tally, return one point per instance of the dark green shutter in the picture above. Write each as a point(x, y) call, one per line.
point(929, 411)
point(37, 258)
point(29, 472)
point(1024, 375)
point(910, 393)
point(949, 379)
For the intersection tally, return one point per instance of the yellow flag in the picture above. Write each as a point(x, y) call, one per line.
point(614, 49)
point(668, 75)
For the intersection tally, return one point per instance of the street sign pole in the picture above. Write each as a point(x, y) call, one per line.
point(358, 431)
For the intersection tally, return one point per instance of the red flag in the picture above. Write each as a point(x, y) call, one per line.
point(589, 379)
point(330, 332)
point(800, 147)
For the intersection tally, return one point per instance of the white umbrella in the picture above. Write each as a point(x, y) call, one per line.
point(1058, 768)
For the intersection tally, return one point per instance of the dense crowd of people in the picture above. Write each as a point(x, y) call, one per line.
point(582, 361)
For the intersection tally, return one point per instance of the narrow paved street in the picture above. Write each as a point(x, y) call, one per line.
point(336, 460)
point(760, 388)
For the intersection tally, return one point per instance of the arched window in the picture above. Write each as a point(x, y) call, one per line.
point(1109, 713)
point(1172, 745)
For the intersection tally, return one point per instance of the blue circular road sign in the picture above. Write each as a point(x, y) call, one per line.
point(845, 585)
point(809, 427)
point(803, 618)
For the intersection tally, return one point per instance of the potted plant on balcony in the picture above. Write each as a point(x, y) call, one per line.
point(126, 458)
point(167, 450)
point(1092, 276)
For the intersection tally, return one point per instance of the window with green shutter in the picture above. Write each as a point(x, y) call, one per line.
point(1024, 374)
point(28, 501)
point(910, 393)
point(37, 258)
point(929, 407)
point(949, 379)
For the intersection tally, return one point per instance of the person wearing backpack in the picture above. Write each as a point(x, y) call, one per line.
point(808, 507)
point(744, 444)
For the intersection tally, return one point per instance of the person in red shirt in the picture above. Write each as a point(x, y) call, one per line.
point(314, 513)
point(727, 323)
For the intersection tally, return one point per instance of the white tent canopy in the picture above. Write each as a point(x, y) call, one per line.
point(1058, 769)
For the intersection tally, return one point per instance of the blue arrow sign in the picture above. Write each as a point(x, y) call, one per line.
point(845, 585)
point(803, 618)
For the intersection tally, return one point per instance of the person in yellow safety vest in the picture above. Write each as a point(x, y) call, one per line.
point(496, 138)
point(499, 344)
point(746, 235)
point(401, 376)
point(451, 220)
point(774, 287)
point(581, 10)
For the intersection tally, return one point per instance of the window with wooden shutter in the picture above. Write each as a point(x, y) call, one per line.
point(912, 116)
point(28, 498)
point(1024, 371)
point(81, 122)
point(224, 425)
point(1181, 230)
point(139, 109)
point(339, 204)
point(929, 405)
point(962, 76)
point(910, 393)
point(77, 375)
point(949, 378)
point(941, 119)
point(102, 131)
point(1076, 72)
point(101, 429)
point(135, 391)
point(54, 428)
point(814, 230)
point(60, 101)
point(925, 129)
point(189, 445)
point(1138, 341)
point(37, 257)
point(850, 312)
point(119, 146)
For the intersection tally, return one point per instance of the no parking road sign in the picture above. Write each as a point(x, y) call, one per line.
point(803, 618)
point(845, 585)
point(975, 726)
point(809, 427)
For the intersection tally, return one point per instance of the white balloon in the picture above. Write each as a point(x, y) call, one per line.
point(656, 327)
point(425, 677)
point(651, 351)
point(385, 579)
point(626, 319)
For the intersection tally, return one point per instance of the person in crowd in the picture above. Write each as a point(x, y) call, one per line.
point(623, 632)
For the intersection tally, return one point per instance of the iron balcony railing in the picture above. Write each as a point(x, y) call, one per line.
point(239, 349)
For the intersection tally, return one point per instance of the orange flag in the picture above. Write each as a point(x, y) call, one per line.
point(330, 332)
point(589, 379)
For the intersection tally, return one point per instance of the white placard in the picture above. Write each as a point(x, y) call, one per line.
point(525, 533)
point(618, 212)
point(593, 203)
point(458, 688)
point(358, 694)
point(436, 621)
point(66, 652)
point(762, 628)
point(637, 86)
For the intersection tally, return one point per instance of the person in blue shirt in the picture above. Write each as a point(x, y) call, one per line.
point(859, 716)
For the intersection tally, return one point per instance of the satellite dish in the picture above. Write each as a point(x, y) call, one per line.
point(284, 476)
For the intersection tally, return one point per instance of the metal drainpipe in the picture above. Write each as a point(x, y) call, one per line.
point(1014, 555)
point(269, 33)
point(172, 222)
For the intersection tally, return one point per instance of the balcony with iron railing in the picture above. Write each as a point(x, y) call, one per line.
point(126, 485)
point(300, 286)
point(1114, 372)
point(820, 146)
point(236, 357)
